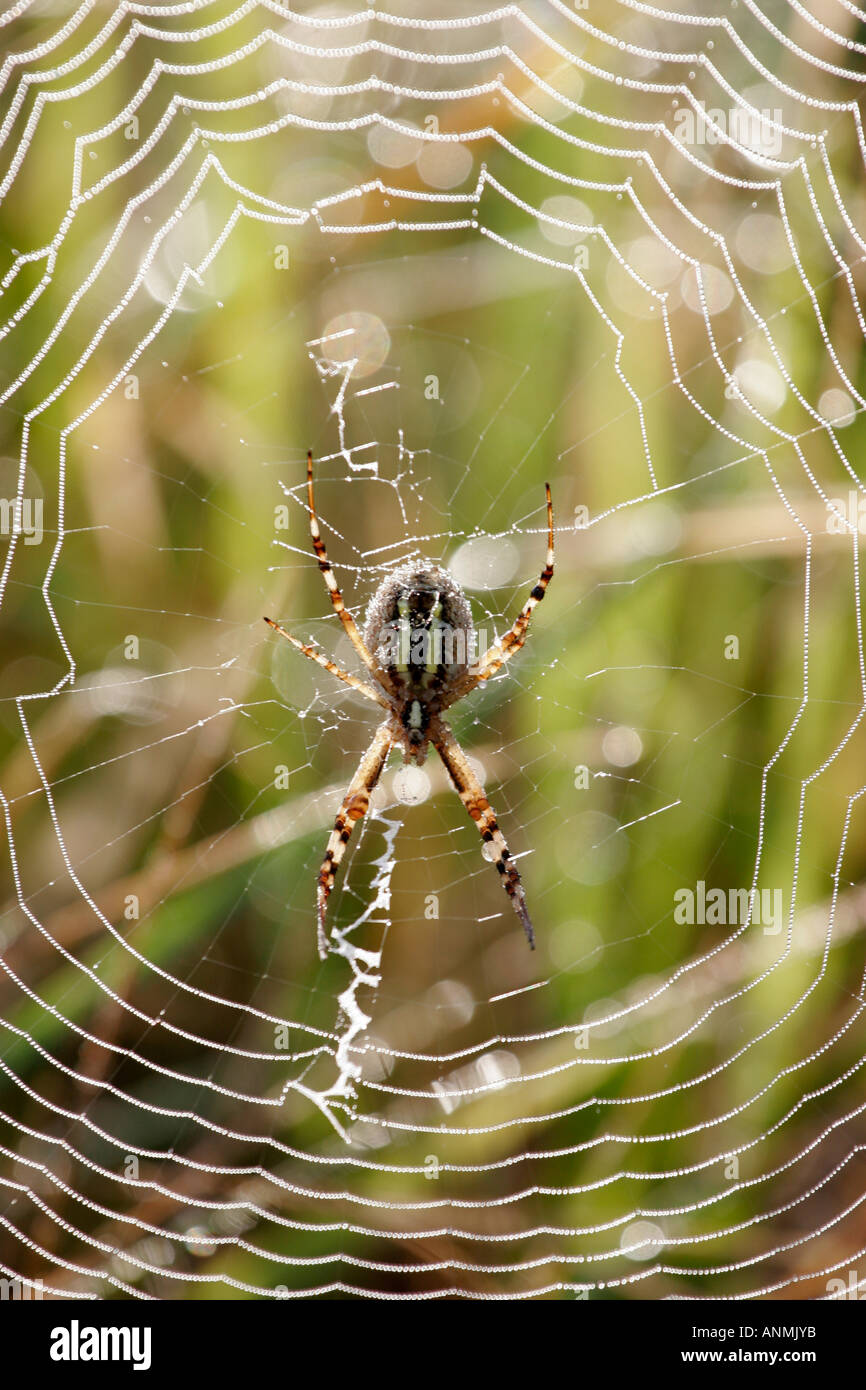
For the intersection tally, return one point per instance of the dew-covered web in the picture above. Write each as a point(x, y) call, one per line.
point(614, 247)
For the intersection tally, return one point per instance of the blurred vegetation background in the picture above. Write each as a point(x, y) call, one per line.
point(647, 1105)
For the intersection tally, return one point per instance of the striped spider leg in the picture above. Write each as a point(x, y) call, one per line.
point(472, 794)
point(314, 654)
point(331, 582)
point(355, 805)
point(357, 799)
point(468, 787)
point(504, 648)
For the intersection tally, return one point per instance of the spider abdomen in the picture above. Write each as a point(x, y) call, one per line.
point(419, 628)
point(420, 633)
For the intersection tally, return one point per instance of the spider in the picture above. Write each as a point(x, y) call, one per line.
point(418, 648)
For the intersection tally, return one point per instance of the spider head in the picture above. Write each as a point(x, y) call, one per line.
point(419, 629)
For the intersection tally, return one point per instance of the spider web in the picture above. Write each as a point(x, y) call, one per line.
point(457, 255)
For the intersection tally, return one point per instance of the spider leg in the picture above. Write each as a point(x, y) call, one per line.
point(315, 655)
point(330, 579)
point(354, 807)
point(504, 648)
point(472, 795)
